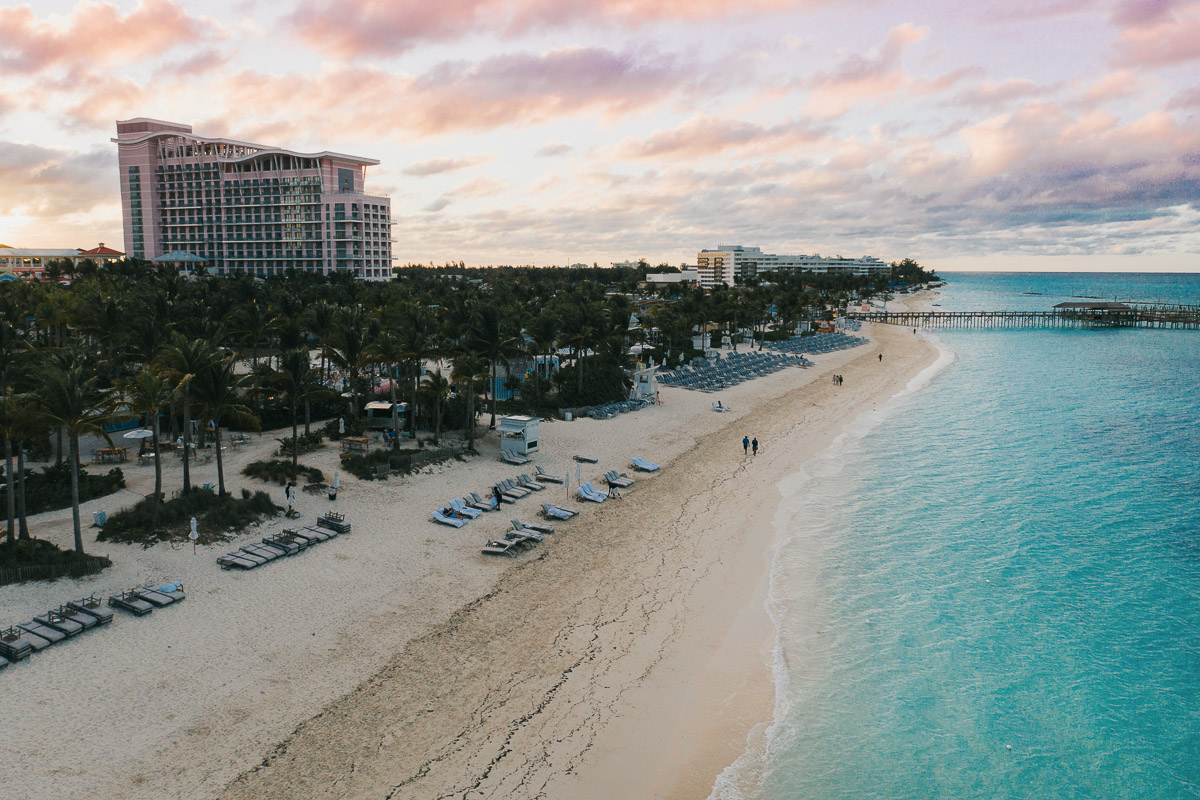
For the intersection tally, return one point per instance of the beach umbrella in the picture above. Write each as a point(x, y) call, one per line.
point(140, 433)
point(342, 425)
point(194, 535)
point(337, 479)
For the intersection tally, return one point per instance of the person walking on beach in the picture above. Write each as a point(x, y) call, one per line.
point(754, 445)
point(881, 356)
point(289, 492)
point(746, 445)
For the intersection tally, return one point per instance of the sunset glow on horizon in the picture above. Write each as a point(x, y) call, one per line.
point(1055, 135)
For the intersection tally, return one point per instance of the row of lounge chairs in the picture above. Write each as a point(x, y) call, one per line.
point(287, 542)
point(712, 375)
point(461, 510)
point(73, 618)
point(818, 343)
point(610, 410)
point(141, 601)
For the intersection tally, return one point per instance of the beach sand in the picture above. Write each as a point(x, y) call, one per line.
point(627, 655)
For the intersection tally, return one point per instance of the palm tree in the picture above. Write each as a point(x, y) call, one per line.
point(416, 342)
point(253, 325)
point(71, 399)
point(183, 360)
point(147, 393)
point(467, 370)
point(437, 388)
point(350, 348)
point(10, 424)
point(298, 382)
point(389, 350)
point(491, 338)
point(218, 391)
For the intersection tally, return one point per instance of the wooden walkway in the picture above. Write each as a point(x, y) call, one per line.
point(1155, 315)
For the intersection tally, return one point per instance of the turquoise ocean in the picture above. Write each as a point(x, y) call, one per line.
point(990, 588)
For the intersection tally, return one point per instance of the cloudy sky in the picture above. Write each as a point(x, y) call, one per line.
point(1014, 134)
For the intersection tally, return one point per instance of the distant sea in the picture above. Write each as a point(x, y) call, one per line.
point(991, 588)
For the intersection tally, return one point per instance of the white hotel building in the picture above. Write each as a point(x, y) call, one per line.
point(730, 264)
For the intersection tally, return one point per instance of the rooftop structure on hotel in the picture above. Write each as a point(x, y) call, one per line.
point(249, 207)
point(730, 264)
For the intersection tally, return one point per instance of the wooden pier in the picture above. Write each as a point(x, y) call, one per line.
point(1064, 315)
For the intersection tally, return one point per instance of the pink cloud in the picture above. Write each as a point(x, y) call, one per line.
point(516, 89)
point(704, 135)
point(383, 27)
point(1163, 39)
point(860, 78)
point(439, 166)
point(1114, 85)
point(98, 99)
point(96, 32)
point(475, 188)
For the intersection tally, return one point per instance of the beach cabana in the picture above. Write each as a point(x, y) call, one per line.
point(378, 414)
point(519, 434)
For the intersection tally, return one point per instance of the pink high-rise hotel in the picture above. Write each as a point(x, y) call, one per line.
point(249, 207)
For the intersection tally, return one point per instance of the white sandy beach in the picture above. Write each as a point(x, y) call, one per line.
point(624, 656)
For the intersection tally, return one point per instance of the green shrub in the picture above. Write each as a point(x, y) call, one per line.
point(305, 443)
point(50, 489)
point(214, 515)
point(280, 471)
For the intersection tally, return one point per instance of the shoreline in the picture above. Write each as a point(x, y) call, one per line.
point(576, 674)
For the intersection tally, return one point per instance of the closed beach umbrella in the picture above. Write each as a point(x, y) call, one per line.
point(336, 479)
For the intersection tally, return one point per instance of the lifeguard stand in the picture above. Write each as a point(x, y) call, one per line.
point(519, 434)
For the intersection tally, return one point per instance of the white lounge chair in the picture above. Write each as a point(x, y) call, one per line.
point(589, 492)
point(460, 505)
point(453, 522)
point(644, 465)
point(544, 476)
point(616, 479)
point(552, 511)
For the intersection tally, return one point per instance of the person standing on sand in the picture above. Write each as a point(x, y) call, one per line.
point(289, 492)
point(746, 445)
point(881, 356)
point(754, 445)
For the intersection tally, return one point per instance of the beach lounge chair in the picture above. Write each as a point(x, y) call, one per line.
point(238, 559)
point(307, 537)
point(172, 589)
point(262, 551)
point(544, 476)
point(16, 644)
point(86, 620)
point(529, 538)
point(4, 662)
point(644, 465)
point(153, 597)
point(490, 501)
point(718, 407)
point(501, 548)
point(509, 457)
point(289, 544)
point(92, 607)
point(614, 478)
point(453, 522)
point(131, 603)
point(588, 492)
point(529, 483)
point(586, 459)
point(552, 511)
point(334, 521)
point(64, 625)
point(508, 486)
point(39, 630)
point(479, 503)
point(533, 526)
point(460, 505)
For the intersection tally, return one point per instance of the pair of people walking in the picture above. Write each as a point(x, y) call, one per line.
point(748, 445)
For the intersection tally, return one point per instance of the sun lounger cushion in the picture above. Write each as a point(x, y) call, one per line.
point(57, 622)
point(92, 608)
point(131, 603)
point(38, 629)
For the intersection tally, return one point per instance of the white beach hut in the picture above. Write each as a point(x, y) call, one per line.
point(519, 434)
